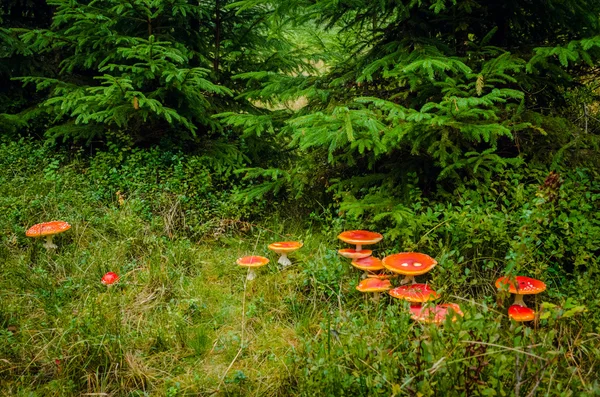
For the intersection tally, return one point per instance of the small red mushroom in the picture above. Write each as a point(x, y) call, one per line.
point(110, 278)
point(521, 313)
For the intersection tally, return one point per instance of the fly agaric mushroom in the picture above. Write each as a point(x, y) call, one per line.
point(283, 248)
point(252, 262)
point(521, 313)
point(360, 238)
point(524, 286)
point(436, 314)
point(416, 293)
point(110, 278)
point(351, 253)
point(368, 264)
point(47, 229)
point(374, 285)
point(409, 264)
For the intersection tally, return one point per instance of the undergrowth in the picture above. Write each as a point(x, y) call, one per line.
point(183, 320)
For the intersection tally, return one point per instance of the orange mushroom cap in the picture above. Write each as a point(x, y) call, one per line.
point(521, 313)
point(283, 247)
point(409, 263)
point(435, 315)
point(360, 237)
point(47, 229)
point(524, 285)
point(369, 264)
point(373, 285)
point(353, 254)
point(417, 293)
point(252, 261)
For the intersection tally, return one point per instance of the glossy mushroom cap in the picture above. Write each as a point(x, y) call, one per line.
point(360, 237)
point(252, 261)
point(368, 264)
point(521, 285)
point(373, 285)
point(521, 313)
point(353, 254)
point(47, 229)
point(409, 263)
point(417, 293)
point(110, 278)
point(283, 247)
point(437, 314)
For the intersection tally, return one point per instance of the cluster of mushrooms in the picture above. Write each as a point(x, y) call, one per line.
point(377, 275)
point(409, 264)
point(283, 248)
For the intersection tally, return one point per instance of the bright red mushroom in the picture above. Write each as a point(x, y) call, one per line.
point(520, 286)
point(110, 278)
point(521, 313)
point(409, 264)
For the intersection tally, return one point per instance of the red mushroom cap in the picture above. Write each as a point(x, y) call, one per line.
point(47, 229)
point(360, 237)
point(369, 264)
point(285, 246)
point(521, 313)
point(110, 278)
point(373, 285)
point(417, 293)
point(435, 315)
point(409, 263)
point(382, 275)
point(353, 254)
point(252, 261)
point(524, 285)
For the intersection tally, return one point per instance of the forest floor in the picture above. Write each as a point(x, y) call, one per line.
point(184, 321)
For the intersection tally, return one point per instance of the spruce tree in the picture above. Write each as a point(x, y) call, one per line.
point(438, 91)
point(150, 68)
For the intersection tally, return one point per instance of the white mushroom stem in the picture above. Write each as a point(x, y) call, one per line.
point(251, 274)
point(376, 296)
point(519, 300)
point(358, 247)
point(408, 279)
point(284, 260)
point(49, 244)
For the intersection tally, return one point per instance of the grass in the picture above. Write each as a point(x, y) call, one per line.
point(183, 320)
